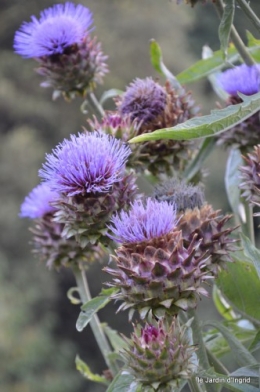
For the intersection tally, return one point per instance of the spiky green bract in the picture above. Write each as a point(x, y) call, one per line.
point(158, 276)
point(89, 173)
point(161, 156)
point(160, 356)
point(250, 176)
point(181, 194)
point(211, 234)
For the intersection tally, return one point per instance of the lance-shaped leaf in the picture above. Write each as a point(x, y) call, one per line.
point(212, 124)
point(225, 25)
point(203, 68)
point(123, 382)
point(239, 284)
point(232, 180)
point(251, 252)
point(160, 67)
point(92, 307)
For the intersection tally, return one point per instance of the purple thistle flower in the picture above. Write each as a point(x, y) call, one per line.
point(58, 28)
point(143, 100)
point(37, 203)
point(88, 163)
point(243, 78)
point(143, 222)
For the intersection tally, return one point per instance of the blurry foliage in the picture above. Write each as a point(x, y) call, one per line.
point(36, 319)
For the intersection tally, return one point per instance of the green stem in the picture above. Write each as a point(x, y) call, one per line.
point(250, 223)
point(237, 41)
point(95, 325)
point(198, 340)
point(194, 386)
point(249, 13)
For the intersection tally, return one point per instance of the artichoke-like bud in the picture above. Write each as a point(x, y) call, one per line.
point(88, 172)
point(154, 270)
point(71, 60)
point(160, 356)
point(152, 107)
point(246, 80)
point(250, 176)
point(48, 243)
point(199, 222)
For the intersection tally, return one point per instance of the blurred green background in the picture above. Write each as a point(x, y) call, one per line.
point(38, 340)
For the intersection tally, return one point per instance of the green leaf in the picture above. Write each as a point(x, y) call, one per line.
point(158, 64)
point(122, 383)
point(196, 164)
point(225, 26)
point(84, 369)
point(116, 341)
point(242, 355)
point(255, 345)
point(232, 180)
point(113, 92)
point(92, 307)
point(240, 285)
point(203, 68)
point(209, 125)
point(221, 380)
point(251, 252)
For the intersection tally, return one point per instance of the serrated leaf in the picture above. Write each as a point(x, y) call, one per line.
point(251, 252)
point(225, 25)
point(242, 355)
point(122, 383)
point(115, 339)
point(240, 285)
point(92, 307)
point(84, 369)
point(232, 179)
point(158, 64)
point(203, 68)
point(113, 92)
point(215, 123)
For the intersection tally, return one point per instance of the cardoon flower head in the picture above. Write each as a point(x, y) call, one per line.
point(160, 355)
point(250, 176)
point(197, 219)
point(37, 203)
point(88, 172)
point(48, 243)
point(155, 271)
point(152, 107)
point(60, 41)
point(143, 222)
point(246, 80)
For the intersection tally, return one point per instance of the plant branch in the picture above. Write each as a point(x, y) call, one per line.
point(237, 41)
point(96, 105)
point(95, 325)
point(245, 7)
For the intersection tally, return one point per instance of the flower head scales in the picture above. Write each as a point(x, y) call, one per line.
point(58, 28)
point(243, 78)
point(37, 203)
point(143, 222)
point(143, 100)
point(87, 163)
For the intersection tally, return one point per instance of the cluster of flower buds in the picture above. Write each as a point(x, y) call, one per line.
point(172, 244)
